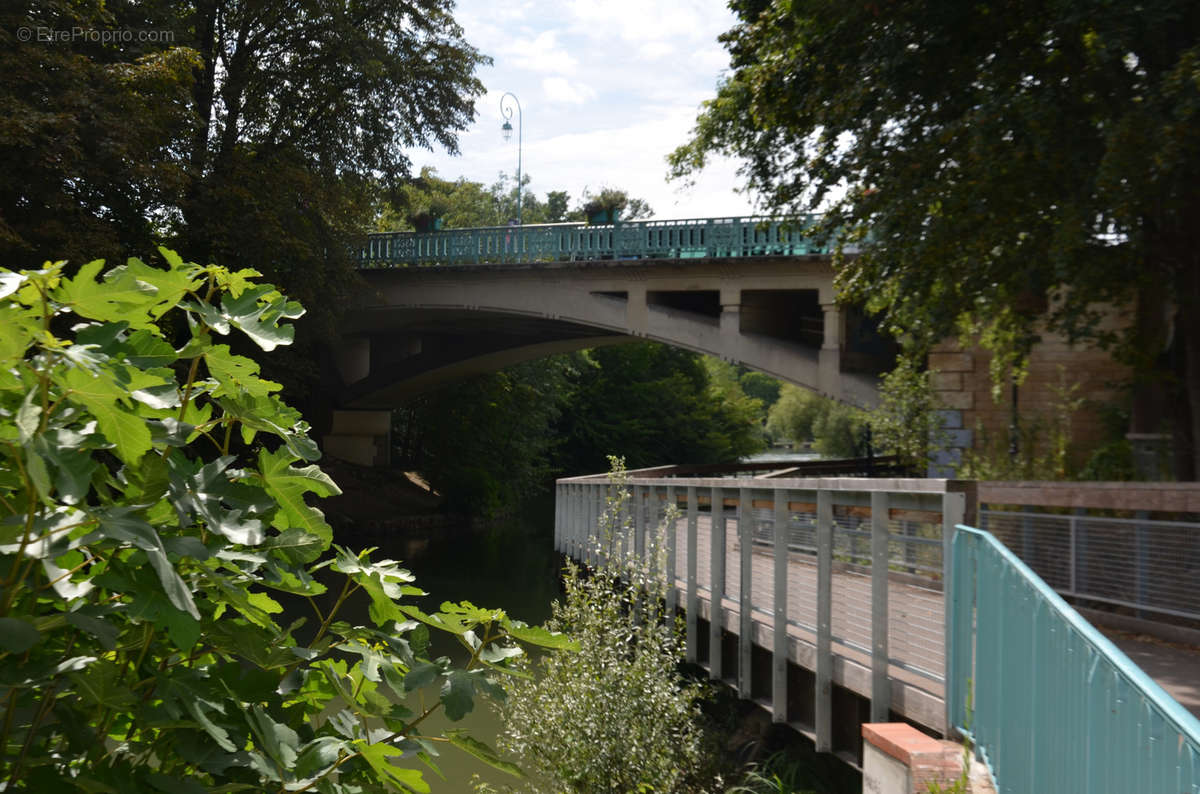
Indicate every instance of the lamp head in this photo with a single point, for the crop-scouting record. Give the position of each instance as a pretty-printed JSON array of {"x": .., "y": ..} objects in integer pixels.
[{"x": 506, "y": 131}]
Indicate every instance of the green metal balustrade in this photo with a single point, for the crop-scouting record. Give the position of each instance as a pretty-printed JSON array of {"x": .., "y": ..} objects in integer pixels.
[
  {"x": 1057, "y": 707},
  {"x": 571, "y": 242}
]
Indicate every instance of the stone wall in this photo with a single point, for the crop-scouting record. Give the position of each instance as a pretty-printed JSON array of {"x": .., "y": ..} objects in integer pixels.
[{"x": 974, "y": 418}]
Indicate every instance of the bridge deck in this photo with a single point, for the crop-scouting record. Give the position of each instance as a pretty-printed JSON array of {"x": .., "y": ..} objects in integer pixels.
[{"x": 858, "y": 603}]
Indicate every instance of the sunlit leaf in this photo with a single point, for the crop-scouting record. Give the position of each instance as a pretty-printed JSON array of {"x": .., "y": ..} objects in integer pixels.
[{"x": 483, "y": 752}]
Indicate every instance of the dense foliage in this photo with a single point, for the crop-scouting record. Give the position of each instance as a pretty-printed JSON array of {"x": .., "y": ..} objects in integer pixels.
[
  {"x": 653, "y": 404},
  {"x": 462, "y": 203},
  {"x": 235, "y": 131},
  {"x": 617, "y": 717},
  {"x": 1017, "y": 167},
  {"x": 153, "y": 527},
  {"x": 835, "y": 429},
  {"x": 489, "y": 442}
]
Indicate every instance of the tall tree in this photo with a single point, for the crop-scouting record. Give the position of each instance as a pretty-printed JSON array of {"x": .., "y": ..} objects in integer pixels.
[
  {"x": 652, "y": 404},
  {"x": 1006, "y": 168},
  {"x": 86, "y": 133},
  {"x": 304, "y": 110},
  {"x": 242, "y": 130}
]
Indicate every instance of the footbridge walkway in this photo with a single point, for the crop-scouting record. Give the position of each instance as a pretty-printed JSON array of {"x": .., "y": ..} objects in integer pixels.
[{"x": 838, "y": 601}]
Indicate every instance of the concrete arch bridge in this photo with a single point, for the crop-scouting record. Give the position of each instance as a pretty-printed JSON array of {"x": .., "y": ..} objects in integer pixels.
[{"x": 449, "y": 304}]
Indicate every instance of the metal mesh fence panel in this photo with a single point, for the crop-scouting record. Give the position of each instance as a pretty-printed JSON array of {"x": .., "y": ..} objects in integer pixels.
[
  {"x": 1150, "y": 566},
  {"x": 763, "y": 579},
  {"x": 851, "y": 581}
]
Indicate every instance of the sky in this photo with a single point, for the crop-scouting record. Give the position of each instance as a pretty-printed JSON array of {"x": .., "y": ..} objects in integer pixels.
[{"x": 607, "y": 89}]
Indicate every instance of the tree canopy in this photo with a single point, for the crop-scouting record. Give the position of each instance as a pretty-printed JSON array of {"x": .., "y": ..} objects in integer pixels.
[
  {"x": 238, "y": 131},
  {"x": 462, "y": 203},
  {"x": 1006, "y": 168},
  {"x": 655, "y": 405}
]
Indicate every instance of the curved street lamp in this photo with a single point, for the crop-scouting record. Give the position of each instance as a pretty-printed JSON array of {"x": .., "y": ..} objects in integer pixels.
[{"x": 506, "y": 131}]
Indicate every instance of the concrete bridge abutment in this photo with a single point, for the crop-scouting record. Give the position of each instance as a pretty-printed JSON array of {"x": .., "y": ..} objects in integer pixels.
[{"x": 361, "y": 437}]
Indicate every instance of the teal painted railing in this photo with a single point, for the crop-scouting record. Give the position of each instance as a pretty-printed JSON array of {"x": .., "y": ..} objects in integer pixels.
[
  {"x": 1057, "y": 707},
  {"x": 568, "y": 242}
]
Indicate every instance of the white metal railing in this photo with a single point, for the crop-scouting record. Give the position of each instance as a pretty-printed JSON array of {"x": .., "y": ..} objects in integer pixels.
[{"x": 815, "y": 569}]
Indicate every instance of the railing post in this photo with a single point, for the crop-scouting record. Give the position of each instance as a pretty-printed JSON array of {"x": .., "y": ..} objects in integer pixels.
[
  {"x": 745, "y": 519},
  {"x": 571, "y": 522},
  {"x": 1081, "y": 548},
  {"x": 1072, "y": 550},
  {"x": 779, "y": 649},
  {"x": 823, "y": 694},
  {"x": 693, "y": 597},
  {"x": 954, "y": 508},
  {"x": 599, "y": 503},
  {"x": 585, "y": 523},
  {"x": 716, "y": 591},
  {"x": 881, "y": 697},
  {"x": 559, "y": 505},
  {"x": 581, "y": 525},
  {"x": 1141, "y": 555},
  {"x": 960, "y": 639},
  {"x": 670, "y": 527},
  {"x": 640, "y": 519}
]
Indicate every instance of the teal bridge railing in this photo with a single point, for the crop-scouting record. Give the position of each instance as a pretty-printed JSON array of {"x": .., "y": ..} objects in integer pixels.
[
  {"x": 569, "y": 242},
  {"x": 1057, "y": 707}
]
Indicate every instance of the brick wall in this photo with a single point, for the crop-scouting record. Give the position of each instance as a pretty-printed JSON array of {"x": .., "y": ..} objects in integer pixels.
[{"x": 963, "y": 383}]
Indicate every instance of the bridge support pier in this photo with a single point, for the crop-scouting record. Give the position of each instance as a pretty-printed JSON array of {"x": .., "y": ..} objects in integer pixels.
[
  {"x": 829, "y": 360},
  {"x": 352, "y": 357},
  {"x": 362, "y": 437},
  {"x": 731, "y": 313}
]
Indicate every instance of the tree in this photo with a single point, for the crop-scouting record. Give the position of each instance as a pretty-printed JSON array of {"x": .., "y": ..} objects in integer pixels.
[
  {"x": 86, "y": 136},
  {"x": 611, "y": 199},
  {"x": 837, "y": 430},
  {"x": 303, "y": 116},
  {"x": 488, "y": 442},
  {"x": 254, "y": 131},
  {"x": 653, "y": 404},
  {"x": 462, "y": 203},
  {"x": 1006, "y": 169},
  {"x": 154, "y": 521}
]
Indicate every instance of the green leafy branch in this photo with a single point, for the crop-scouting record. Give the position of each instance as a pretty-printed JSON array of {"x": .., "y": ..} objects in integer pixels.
[{"x": 156, "y": 533}]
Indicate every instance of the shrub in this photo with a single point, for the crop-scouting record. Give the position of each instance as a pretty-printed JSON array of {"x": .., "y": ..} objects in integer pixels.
[{"x": 616, "y": 716}]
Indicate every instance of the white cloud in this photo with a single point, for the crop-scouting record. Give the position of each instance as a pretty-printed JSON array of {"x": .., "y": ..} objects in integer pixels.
[
  {"x": 608, "y": 89},
  {"x": 645, "y": 20},
  {"x": 541, "y": 53},
  {"x": 560, "y": 89}
]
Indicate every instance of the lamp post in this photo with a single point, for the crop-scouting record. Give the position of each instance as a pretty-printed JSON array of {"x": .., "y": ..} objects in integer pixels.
[{"x": 506, "y": 131}]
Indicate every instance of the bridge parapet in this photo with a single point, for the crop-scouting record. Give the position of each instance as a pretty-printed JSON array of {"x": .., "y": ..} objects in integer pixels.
[{"x": 569, "y": 242}]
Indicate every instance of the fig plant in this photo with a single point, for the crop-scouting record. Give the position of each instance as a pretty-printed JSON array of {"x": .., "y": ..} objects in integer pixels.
[{"x": 153, "y": 525}]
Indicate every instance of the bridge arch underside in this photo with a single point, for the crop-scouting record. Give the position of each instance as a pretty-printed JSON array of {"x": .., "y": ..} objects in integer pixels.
[{"x": 426, "y": 327}]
